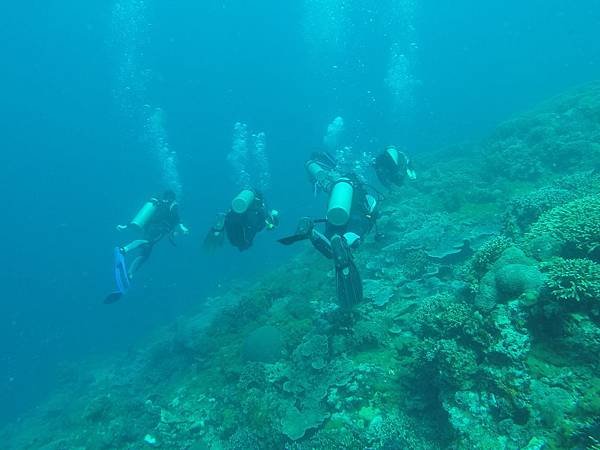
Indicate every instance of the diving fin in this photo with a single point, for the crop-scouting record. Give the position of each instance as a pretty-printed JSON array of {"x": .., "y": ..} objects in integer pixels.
[
  {"x": 289, "y": 240},
  {"x": 213, "y": 240},
  {"x": 121, "y": 278},
  {"x": 348, "y": 280},
  {"x": 349, "y": 286},
  {"x": 216, "y": 235},
  {"x": 121, "y": 273},
  {"x": 303, "y": 231},
  {"x": 113, "y": 297}
]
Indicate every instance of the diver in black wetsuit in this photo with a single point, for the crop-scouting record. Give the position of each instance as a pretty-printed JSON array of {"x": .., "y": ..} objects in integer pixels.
[
  {"x": 247, "y": 217},
  {"x": 392, "y": 167},
  {"x": 351, "y": 215},
  {"x": 159, "y": 218}
]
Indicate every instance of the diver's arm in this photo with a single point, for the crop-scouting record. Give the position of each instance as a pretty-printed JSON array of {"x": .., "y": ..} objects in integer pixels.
[
  {"x": 179, "y": 229},
  {"x": 219, "y": 225},
  {"x": 174, "y": 219},
  {"x": 410, "y": 171},
  {"x": 185, "y": 230}
]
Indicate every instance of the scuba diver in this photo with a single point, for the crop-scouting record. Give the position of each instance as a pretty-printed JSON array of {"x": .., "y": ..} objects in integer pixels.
[
  {"x": 392, "y": 167},
  {"x": 247, "y": 216},
  {"x": 158, "y": 218},
  {"x": 351, "y": 214}
]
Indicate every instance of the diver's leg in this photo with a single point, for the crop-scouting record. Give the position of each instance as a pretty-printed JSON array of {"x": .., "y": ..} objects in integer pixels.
[
  {"x": 133, "y": 245},
  {"x": 348, "y": 281},
  {"x": 352, "y": 239},
  {"x": 321, "y": 243},
  {"x": 146, "y": 250},
  {"x": 305, "y": 226},
  {"x": 304, "y": 231}
]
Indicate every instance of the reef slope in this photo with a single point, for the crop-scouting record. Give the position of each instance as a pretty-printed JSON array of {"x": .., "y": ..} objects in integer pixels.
[{"x": 480, "y": 328}]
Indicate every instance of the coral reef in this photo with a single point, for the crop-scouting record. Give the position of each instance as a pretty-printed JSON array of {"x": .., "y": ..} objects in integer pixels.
[
  {"x": 572, "y": 230},
  {"x": 512, "y": 276},
  {"x": 524, "y": 210},
  {"x": 480, "y": 326},
  {"x": 560, "y": 136},
  {"x": 573, "y": 280},
  {"x": 263, "y": 344},
  {"x": 488, "y": 253}
]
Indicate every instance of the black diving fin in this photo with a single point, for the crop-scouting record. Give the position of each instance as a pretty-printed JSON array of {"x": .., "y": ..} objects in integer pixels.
[
  {"x": 216, "y": 235},
  {"x": 348, "y": 280},
  {"x": 289, "y": 240},
  {"x": 303, "y": 231},
  {"x": 113, "y": 297},
  {"x": 349, "y": 286}
]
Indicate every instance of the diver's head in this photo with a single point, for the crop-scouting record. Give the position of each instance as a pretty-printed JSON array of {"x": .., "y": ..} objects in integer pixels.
[
  {"x": 273, "y": 219},
  {"x": 395, "y": 156},
  {"x": 169, "y": 196}
]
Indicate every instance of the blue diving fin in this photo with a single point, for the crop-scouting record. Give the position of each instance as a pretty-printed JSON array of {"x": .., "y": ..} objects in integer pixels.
[{"x": 121, "y": 278}]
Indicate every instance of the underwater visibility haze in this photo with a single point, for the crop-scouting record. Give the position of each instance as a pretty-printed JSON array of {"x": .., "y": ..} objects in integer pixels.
[{"x": 444, "y": 291}]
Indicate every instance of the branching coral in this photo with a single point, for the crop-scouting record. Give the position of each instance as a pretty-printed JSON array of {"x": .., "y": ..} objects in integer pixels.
[
  {"x": 488, "y": 253},
  {"x": 452, "y": 365},
  {"x": 522, "y": 211},
  {"x": 253, "y": 374},
  {"x": 573, "y": 279},
  {"x": 575, "y": 226},
  {"x": 441, "y": 317},
  {"x": 414, "y": 263},
  {"x": 564, "y": 134},
  {"x": 452, "y": 334},
  {"x": 580, "y": 183}
]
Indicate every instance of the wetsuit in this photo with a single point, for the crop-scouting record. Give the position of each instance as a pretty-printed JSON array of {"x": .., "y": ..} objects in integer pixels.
[
  {"x": 242, "y": 228},
  {"x": 362, "y": 216},
  {"x": 337, "y": 241},
  {"x": 163, "y": 222}
]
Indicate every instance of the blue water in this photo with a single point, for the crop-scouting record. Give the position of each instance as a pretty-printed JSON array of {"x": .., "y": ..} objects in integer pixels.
[{"x": 74, "y": 165}]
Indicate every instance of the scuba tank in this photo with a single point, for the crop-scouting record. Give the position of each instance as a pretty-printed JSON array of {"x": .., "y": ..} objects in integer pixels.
[
  {"x": 396, "y": 155},
  {"x": 315, "y": 171},
  {"x": 321, "y": 170},
  {"x": 144, "y": 215},
  {"x": 340, "y": 202},
  {"x": 243, "y": 201},
  {"x": 393, "y": 152}
]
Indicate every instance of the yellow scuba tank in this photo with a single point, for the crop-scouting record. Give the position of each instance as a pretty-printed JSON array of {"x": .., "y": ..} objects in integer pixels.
[
  {"x": 340, "y": 202},
  {"x": 242, "y": 202},
  {"x": 144, "y": 215}
]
